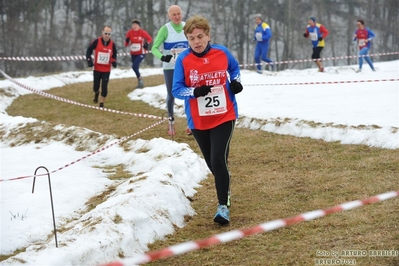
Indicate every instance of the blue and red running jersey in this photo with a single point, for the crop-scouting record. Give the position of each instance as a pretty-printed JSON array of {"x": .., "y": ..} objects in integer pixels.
[{"x": 216, "y": 68}]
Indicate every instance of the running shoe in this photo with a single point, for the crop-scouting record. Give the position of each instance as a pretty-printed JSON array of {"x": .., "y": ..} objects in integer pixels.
[
  {"x": 272, "y": 67},
  {"x": 171, "y": 126},
  {"x": 222, "y": 215},
  {"x": 140, "y": 84},
  {"x": 95, "y": 100}
]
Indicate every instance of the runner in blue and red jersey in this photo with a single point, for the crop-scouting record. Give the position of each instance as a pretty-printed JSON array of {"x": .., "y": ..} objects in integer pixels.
[
  {"x": 363, "y": 36},
  {"x": 207, "y": 77},
  {"x": 137, "y": 39}
]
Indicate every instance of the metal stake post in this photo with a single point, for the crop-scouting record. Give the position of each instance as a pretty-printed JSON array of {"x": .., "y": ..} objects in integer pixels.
[{"x": 51, "y": 199}]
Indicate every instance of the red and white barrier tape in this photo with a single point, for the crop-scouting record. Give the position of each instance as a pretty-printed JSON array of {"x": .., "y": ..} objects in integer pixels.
[
  {"x": 321, "y": 59},
  {"x": 237, "y": 234},
  {"x": 73, "y": 102},
  {"x": 323, "y": 82},
  {"x": 50, "y": 58},
  {"x": 110, "y": 145},
  {"x": 83, "y": 57},
  {"x": 90, "y": 154}
]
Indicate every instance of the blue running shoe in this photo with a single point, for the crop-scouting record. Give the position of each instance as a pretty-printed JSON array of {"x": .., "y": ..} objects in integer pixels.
[
  {"x": 222, "y": 215},
  {"x": 272, "y": 67}
]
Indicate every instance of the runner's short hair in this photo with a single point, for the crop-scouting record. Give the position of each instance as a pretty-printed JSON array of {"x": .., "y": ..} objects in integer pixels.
[{"x": 196, "y": 22}]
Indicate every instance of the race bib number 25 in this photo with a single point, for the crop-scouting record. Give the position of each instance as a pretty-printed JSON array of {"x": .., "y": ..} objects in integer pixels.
[{"x": 214, "y": 103}]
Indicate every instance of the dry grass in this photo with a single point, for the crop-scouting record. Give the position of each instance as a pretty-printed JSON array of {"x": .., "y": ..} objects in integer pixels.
[
  {"x": 273, "y": 177},
  {"x": 281, "y": 176}
]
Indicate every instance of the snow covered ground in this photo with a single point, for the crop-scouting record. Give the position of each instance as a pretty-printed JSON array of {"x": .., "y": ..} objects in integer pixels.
[{"x": 165, "y": 173}]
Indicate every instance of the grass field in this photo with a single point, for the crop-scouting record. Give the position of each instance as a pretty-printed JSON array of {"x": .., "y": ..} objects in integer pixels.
[{"x": 273, "y": 176}]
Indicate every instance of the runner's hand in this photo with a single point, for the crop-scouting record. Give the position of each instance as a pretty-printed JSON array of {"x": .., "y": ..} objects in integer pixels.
[
  {"x": 236, "y": 86},
  {"x": 89, "y": 62},
  {"x": 202, "y": 91},
  {"x": 166, "y": 58}
]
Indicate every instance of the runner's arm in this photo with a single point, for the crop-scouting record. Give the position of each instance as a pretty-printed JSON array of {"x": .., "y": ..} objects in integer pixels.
[{"x": 159, "y": 39}]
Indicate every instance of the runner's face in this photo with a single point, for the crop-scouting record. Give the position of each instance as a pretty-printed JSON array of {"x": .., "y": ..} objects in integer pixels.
[
  {"x": 107, "y": 33},
  {"x": 198, "y": 40},
  {"x": 359, "y": 25},
  {"x": 135, "y": 26},
  {"x": 175, "y": 15}
]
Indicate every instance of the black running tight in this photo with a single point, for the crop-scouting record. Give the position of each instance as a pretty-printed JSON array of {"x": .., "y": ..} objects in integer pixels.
[
  {"x": 102, "y": 77},
  {"x": 214, "y": 144}
]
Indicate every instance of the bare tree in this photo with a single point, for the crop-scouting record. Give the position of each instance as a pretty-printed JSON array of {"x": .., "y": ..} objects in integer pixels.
[{"x": 66, "y": 27}]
